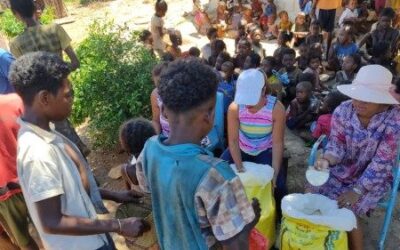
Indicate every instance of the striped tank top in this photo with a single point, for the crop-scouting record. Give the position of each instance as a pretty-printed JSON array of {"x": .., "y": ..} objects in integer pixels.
[{"x": 255, "y": 129}]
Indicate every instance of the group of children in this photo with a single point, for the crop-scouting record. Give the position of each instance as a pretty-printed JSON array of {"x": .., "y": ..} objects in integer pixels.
[{"x": 198, "y": 202}]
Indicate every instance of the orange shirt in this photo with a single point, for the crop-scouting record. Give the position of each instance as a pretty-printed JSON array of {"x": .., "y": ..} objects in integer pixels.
[{"x": 329, "y": 4}]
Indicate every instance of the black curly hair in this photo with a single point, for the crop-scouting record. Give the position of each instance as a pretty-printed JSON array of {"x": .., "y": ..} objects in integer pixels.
[
  {"x": 334, "y": 99},
  {"x": 37, "y": 71},
  {"x": 187, "y": 84},
  {"x": 134, "y": 133},
  {"x": 26, "y": 8}
]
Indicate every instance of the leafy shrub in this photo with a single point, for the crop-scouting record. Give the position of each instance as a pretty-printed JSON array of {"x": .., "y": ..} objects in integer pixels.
[
  {"x": 11, "y": 27},
  {"x": 113, "y": 83}
]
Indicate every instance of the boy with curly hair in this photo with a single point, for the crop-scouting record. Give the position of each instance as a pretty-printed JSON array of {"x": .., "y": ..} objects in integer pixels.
[
  {"x": 184, "y": 179},
  {"x": 53, "y": 180}
]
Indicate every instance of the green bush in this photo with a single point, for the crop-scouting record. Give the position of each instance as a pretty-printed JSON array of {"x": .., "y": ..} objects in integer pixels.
[
  {"x": 11, "y": 27},
  {"x": 113, "y": 83}
]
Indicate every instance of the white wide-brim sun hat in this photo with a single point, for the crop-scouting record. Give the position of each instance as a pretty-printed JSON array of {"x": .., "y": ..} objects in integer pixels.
[
  {"x": 371, "y": 84},
  {"x": 249, "y": 87}
]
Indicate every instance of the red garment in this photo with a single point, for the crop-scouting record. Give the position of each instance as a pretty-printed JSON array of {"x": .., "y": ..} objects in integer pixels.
[
  {"x": 11, "y": 107},
  {"x": 323, "y": 126}
]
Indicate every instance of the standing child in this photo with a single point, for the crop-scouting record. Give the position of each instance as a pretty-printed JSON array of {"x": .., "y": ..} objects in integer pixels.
[
  {"x": 268, "y": 65},
  {"x": 212, "y": 34},
  {"x": 284, "y": 23},
  {"x": 284, "y": 39},
  {"x": 182, "y": 176},
  {"x": 323, "y": 125},
  {"x": 48, "y": 171},
  {"x": 314, "y": 64},
  {"x": 303, "y": 109},
  {"x": 217, "y": 47},
  {"x": 221, "y": 58},
  {"x": 228, "y": 85},
  {"x": 344, "y": 46},
  {"x": 350, "y": 66},
  {"x": 50, "y": 38},
  {"x": 157, "y": 27},
  {"x": 252, "y": 61},
  {"x": 244, "y": 49},
  {"x": 160, "y": 123}
]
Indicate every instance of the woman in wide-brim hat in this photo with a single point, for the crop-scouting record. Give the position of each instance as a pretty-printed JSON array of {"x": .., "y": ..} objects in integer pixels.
[{"x": 362, "y": 145}]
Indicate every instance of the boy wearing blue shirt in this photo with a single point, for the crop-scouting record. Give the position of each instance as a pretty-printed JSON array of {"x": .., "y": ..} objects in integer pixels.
[{"x": 198, "y": 202}]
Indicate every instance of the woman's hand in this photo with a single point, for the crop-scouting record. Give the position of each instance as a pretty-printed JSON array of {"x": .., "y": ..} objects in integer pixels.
[
  {"x": 348, "y": 199},
  {"x": 321, "y": 164}
]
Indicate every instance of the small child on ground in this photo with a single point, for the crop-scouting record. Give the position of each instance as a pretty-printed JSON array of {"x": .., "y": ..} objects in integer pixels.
[
  {"x": 284, "y": 40},
  {"x": 270, "y": 9},
  {"x": 323, "y": 125},
  {"x": 176, "y": 40},
  {"x": 252, "y": 61},
  {"x": 302, "y": 59},
  {"x": 268, "y": 65},
  {"x": 182, "y": 176},
  {"x": 284, "y": 23},
  {"x": 256, "y": 37},
  {"x": 293, "y": 72},
  {"x": 344, "y": 46},
  {"x": 303, "y": 109},
  {"x": 147, "y": 39},
  {"x": 350, "y": 66},
  {"x": 314, "y": 64},
  {"x": 157, "y": 27},
  {"x": 244, "y": 50},
  {"x": 315, "y": 35},
  {"x": 300, "y": 29}
]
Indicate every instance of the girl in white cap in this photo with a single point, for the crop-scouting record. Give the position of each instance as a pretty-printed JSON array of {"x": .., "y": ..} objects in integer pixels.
[
  {"x": 362, "y": 145},
  {"x": 256, "y": 124}
]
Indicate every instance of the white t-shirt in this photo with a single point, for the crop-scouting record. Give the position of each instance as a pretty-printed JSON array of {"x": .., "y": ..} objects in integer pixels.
[
  {"x": 46, "y": 171},
  {"x": 156, "y": 23},
  {"x": 347, "y": 13}
]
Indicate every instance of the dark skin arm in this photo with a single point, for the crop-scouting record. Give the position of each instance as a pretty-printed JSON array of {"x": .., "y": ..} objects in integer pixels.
[
  {"x": 54, "y": 222},
  {"x": 73, "y": 58},
  {"x": 241, "y": 240}
]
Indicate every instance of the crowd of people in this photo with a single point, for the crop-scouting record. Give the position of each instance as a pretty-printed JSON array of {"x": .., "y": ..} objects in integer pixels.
[{"x": 319, "y": 81}]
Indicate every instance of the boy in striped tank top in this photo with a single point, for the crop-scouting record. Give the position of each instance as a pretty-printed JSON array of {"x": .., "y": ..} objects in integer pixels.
[{"x": 256, "y": 124}]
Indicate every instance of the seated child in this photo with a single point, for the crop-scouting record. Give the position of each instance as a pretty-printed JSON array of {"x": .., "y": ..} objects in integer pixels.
[
  {"x": 344, "y": 46},
  {"x": 350, "y": 13},
  {"x": 206, "y": 49},
  {"x": 314, "y": 64},
  {"x": 302, "y": 59},
  {"x": 268, "y": 65},
  {"x": 160, "y": 123},
  {"x": 315, "y": 35},
  {"x": 147, "y": 39},
  {"x": 182, "y": 176},
  {"x": 217, "y": 46},
  {"x": 244, "y": 49},
  {"x": 323, "y": 125},
  {"x": 300, "y": 29},
  {"x": 222, "y": 57},
  {"x": 305, "y": 6},
  {"x": 381, "y": 54},
  {"x": 269, "y": 27},
  {"x": 302, "y": 109},
  {"x": 228, "y": 85},
  {"x": 270, "y": 9},
  {"x": 384, "y": 32},
  {"x": 241, "y": 34},
  {"x": 256, "y": 36},
  {"x": 293, "y": 72},
  {"x": 176, "y": 40},
  {"x": 284, "y": 40},
  {"x": 350, "y": 67},
  {"x": 257, "y": 9},
  {"x": 252, "y": 61},
  {"x": 284, "y": 23}
]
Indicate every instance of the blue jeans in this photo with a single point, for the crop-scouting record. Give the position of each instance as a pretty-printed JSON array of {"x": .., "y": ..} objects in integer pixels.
[{"x": 265, "y": 157}]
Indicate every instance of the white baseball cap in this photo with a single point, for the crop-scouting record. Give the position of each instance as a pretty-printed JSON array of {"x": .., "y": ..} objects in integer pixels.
[
  {"x": 249, "y": 87},
  {"x": 371, "y": 84}
]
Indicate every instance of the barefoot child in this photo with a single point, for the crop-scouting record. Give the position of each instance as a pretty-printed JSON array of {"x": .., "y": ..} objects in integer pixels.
[
  {"x": 182, "y": 176},
  {"x": 157, "y": 27}
]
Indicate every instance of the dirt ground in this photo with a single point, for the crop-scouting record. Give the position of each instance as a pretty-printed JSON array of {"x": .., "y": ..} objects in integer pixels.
[{"x": 137, "y": 14}]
